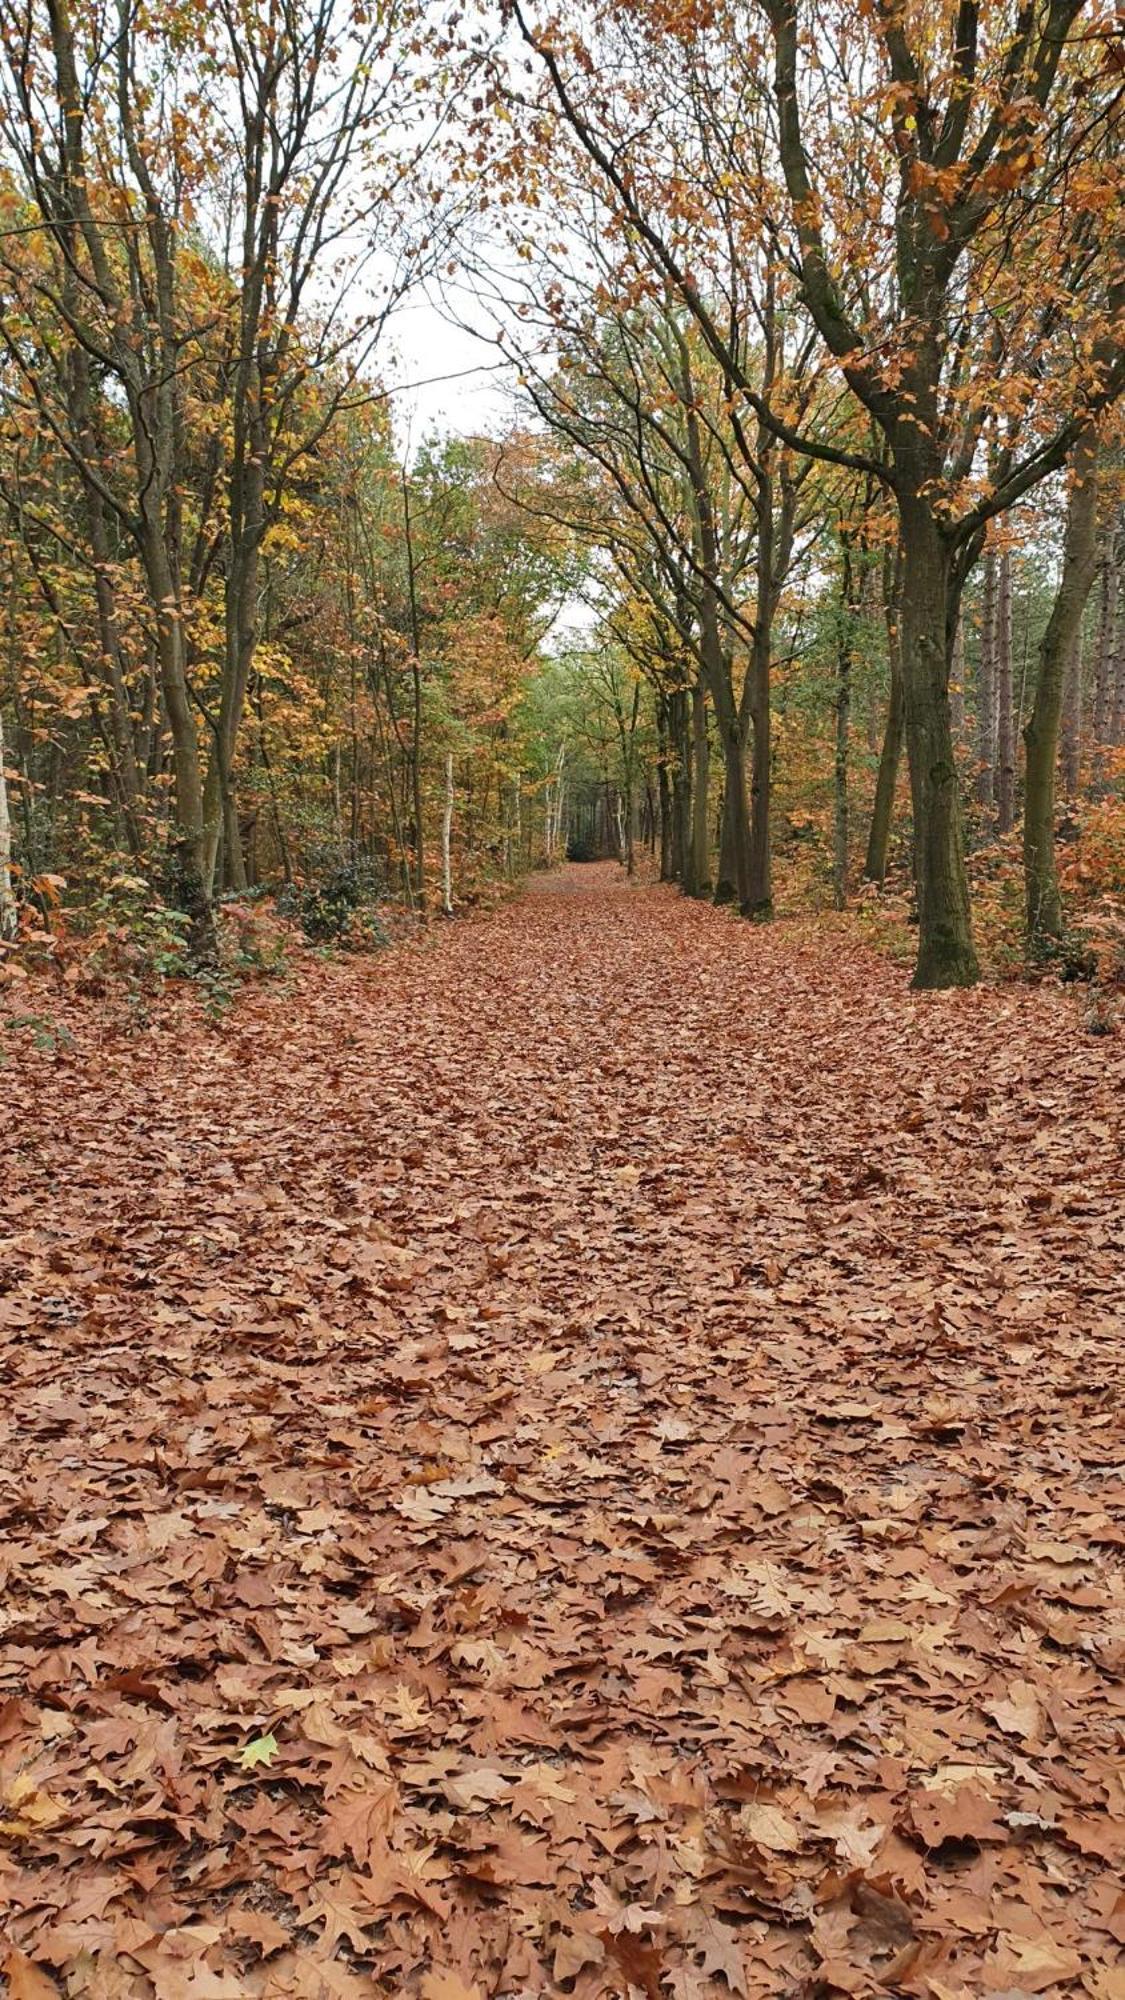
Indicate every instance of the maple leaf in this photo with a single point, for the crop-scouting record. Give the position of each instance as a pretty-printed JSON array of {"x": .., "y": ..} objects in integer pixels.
[{"x": 262, "y": 1750}]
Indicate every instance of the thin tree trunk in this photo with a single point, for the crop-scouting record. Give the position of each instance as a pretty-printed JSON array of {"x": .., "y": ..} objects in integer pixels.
[
  {"x": 957, "y": 683},
  {"x": 1116, "y": 662},
  {"x": 700, "y": 776},
  {"x": 664, "y": 790},
  {"x": 1071, "y": 746},
  {"x": 1043, "y": 901},
  {"x": 759, "y": 885},
  {"x": 986, "y": 686},
  {"x": 9, "y": 913},
  {"x": 840, "y": 759},
  {"x": 1107, "y": 627},
  {"x": 886, "y": 783},
  {"x": 446, "y": 839},
  {"x": 1005, "y": 731}
]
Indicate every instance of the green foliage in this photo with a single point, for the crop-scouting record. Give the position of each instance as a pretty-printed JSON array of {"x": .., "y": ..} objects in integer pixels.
[
  {"x": 46, "y": 1035},
  {"x": 133, "y": 933},
  {"x": 336, "y": 910}
]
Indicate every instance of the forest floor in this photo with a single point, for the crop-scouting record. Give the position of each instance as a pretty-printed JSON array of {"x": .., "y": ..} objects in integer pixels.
[{"x": 580, "y": 1455}]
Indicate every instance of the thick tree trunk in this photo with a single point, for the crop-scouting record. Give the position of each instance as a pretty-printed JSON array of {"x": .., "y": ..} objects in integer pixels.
[
  {"x": 1044, "y": 913},
  {"x": 1005, "y": 718},
  {"x": 192, "y": 887},
  {"x": 726, "y": 881},
  {"x": 945, "y": 945}
]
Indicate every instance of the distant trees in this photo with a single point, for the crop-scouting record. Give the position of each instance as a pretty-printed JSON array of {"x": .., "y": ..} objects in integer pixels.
[{"x": 944, "y": 192}]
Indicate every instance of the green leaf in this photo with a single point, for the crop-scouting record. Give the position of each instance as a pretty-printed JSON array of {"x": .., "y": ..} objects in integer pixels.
[{"x": 262, "y": 1750}]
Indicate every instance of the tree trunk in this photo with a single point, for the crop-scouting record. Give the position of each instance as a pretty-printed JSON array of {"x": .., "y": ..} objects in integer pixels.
[
  {"x": 664, "y": 790},
  {"x": 9, "y": 914},
  {"x": 840, "y": 759},
  {"x": 986, "y": 686},
  {"x": 945, "y": 945},
  {"x": 1104, "y": 644},
  {"x": 700, "y": 883},
  {"x": 886, "y": 783},
  {"x": 957, "y": 683},
  {"x": 726, "y": 881},
  {"x": 446, "y": 840},
  {"x": 1071, "y": 747},
  {"x": 680, "y": 734},
  {"x": 1115, "y": 665},
  {"x": 1005, "y": 730},
  {"x": 1044, "y": 914},
  {"x": 758, "y": 901}
]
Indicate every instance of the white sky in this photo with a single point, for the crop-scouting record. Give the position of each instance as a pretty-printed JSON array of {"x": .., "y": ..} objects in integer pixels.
[{"x": 423, "y": 346}]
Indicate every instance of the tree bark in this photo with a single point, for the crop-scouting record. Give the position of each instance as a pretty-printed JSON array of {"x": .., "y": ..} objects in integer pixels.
[
  {"x": 886, "y": 782},
  {"x": 945, "y": 945},
  {"x": 1072, "y": 721},
  {"x": 840, "y": 758},
  {"x": 1044, "y": 915},
  {"x": 1107, "y": 622},
  {"x": 700, "y": 880},
  {"x": 9, "y": 913},
  {"x": 986, "y": 686},
  {"x": 1005, "y": 727},
  {"x": 446, "y": 840}
]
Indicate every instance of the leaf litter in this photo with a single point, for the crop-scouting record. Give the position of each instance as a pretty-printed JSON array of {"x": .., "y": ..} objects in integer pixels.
[{"x": 580, "y": 1456}]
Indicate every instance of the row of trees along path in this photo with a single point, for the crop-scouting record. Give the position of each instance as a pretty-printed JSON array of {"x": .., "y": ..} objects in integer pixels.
[{"x": 578, "y": 1456}]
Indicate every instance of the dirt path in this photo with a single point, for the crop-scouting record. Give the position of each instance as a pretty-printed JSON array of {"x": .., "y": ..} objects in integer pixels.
[{"x": 580, "y": 1456}]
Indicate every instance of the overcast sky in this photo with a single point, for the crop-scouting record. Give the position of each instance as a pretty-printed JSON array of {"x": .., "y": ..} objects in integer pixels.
[{"x": 425, "y": 347}]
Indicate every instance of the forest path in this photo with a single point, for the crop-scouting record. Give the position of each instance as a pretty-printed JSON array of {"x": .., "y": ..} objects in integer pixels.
[{"x": 579, "y": 1455}]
